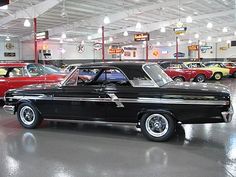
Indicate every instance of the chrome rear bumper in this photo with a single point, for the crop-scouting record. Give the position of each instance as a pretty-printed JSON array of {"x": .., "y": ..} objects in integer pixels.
[
  {"x": 228, "y": 115},
  {"x": 9, "y": 109}
]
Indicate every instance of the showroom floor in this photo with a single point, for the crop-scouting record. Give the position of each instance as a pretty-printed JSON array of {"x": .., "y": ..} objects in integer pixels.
[{"x": 82, "y": 150}]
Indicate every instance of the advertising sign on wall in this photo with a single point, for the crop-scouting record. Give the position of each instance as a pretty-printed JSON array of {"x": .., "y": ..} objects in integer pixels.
[
  {"x": 116, "y": 51},
  {"x": 42, "y": 35},
  {"x": 193, "y": 47},
  {"x": 179, "y": 54}
]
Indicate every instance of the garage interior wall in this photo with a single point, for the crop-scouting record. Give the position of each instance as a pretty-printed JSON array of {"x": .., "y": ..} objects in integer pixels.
[{"x": 14, "y": 49}]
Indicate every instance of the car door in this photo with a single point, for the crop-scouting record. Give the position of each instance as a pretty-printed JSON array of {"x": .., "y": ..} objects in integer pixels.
[{"x": 80, "y": 100}]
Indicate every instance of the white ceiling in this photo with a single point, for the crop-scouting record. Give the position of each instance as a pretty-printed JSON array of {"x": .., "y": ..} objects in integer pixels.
[{"x": 84, "y": 17}]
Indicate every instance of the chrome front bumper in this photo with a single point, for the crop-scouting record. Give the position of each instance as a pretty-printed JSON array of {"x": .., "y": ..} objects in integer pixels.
[
  {"x": 9, "y": 109},
  {"x": 228, "y": 115}
]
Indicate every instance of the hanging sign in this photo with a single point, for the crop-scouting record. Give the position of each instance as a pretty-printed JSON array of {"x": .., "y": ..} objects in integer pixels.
[
  {"x": 193, "y": 47},
  {"x": 9, "y": 54},
  {"x": 141, "y": 37},
  {"x": 116, "y": 51},
  {"x": 180, "y": 30},
  {"x": 97, "y": 46},
  {"x": 205, "y": 48},
  {"x": 80, "y": 48},
  {"x": 42, "y": 35}
]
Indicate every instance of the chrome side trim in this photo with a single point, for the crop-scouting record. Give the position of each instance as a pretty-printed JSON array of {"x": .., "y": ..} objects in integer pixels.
[
  {"x": 9, "y": 109},
  {"x": 91, "y": 122},
  {"x": 127, "y": 100}
]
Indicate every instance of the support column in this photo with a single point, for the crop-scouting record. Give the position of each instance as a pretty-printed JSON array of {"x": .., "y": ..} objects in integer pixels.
[
  {"x": 103, "y": 44},
  {"x": 177, "y": 49},
  {"x": 198, "y": 53},
  {"x": 35, "y": 42},
  {"x": 146, "y": 51}
]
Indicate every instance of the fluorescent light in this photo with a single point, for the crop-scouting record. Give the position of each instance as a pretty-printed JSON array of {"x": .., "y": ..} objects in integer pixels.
[
  {"x": 163, "y": 30},
  {"x": 89, "y": 37},
  {"x": 126, "y": 33},
  {"x": 63, "y": 35},
  {"x": 189, "y": 19},
  {"x": 190, "y": 42},
  {"x": 7, "y": 38},
  {"x": 196, "y": 36},
  {"x": 110, "y": 39},
  {"x": 106, "y": 20},
  {"x": 225, "y": 30},
  {"x": 27, "y": 23},
  {"x": 4, "y": 7},
  {"x": 209, "y": 25},
  {"x": 158, "y": 43},
  {"x": 219, "y": 39},
  {"x": 209, "y": 38},
  {"x": 99, "y": 30},
  {"x": 138, "y": 26}
]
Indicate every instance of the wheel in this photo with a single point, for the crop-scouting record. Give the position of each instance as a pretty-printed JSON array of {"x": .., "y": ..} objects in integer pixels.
[
  {"x": 234, "y": 74},
  {"x": 28, "y": 116},
  {"x": 200, "y": 78},
  {"x": 179, "y": 79},
  {"x": 157, "y": 127},
  {"x": 217, "y": 76}
]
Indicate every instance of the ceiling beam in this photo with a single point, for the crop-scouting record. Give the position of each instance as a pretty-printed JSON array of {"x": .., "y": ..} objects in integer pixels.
[{"x": 31, "y": 12}]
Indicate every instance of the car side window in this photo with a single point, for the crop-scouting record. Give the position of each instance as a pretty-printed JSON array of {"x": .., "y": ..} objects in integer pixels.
[
  {"x": 112, "y": 76},
  {"x": 3, "y": 72},
  {"x": 16, "y": 72}
]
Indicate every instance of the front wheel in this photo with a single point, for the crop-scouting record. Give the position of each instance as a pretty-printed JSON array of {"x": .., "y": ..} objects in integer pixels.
[
  {"x": 179, "y": 79},
  {"x": 28, "y": 116},
  {"x": 218, "y": 76},
  {"x": 157, "y": 127}
]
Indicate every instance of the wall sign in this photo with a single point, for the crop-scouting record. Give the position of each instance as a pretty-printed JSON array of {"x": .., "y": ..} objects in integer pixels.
[
  {"x": 42, "y": 35},
  {"x": 9, "y": 54},
  {"x": 97, "y": 46},
  {"x": 179, "y": 54},
  {"x": 130, "y": 48},
  {"x": 80, "y": 48},
  {"x": 193, "y": 47},
  {"x": 156, "y": 53},
  {"x": 9, "y": 46},
  {"x": 113, "y": 51},
  {"x": 141, "y": 37},
  {"x": 164, "y": 52},
  {"x": 205, "y": 48}
]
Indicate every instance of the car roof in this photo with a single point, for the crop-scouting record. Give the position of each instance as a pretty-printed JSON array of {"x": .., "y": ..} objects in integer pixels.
[{"x": 112, "y": 64}]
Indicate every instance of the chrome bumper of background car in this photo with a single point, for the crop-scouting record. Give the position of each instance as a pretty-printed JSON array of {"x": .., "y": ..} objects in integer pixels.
[
  {"x": 9, "y": 109},
  {"x": 228, "y": 115}
]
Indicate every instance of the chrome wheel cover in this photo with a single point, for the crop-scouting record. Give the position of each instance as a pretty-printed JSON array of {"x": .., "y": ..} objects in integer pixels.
[
  {"x": 27, "y": 115},
  {"x": 157, "y": 125},
  {"x": 178, "y": 79},
  {"x": 200, "y": 78},
  {"x": 218, "y": 76}
]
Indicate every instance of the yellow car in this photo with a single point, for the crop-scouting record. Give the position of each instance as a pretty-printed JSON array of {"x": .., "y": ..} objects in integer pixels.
[
  {"x": 2, "y": 72},
  {"x": 218, "y": 72}
]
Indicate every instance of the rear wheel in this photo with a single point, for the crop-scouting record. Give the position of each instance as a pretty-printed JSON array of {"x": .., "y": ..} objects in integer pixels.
[
  {"x": 28, "y": 116},
  {"x": 179, "y": 79},
  {"x": 157, "y": 126},
  {"x": 200, "y": 78},
  {"x": 218, "y": 76}
]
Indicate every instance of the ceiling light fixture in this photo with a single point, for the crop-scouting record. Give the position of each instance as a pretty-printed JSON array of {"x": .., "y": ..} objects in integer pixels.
[
  {"x": 200, "y": 43},
  {"x": 209, "y": 25},
  {"x": 219, "y": 39},
  {"x": 209, "y": 38},
  {"x": 138, "y": 26},
  {"x": 27, "y": 23},
  {"x": 163, "y": 30},
  {"x": 196, "y": 36},
  {"x": 228, "y": 41},
  {"x": 169, "y": 44},
  {"x": 190, "y": 42},
  {"x": 158, "y": 43},
  {"x": 126, "y": 33},
  {"x": 106, "y": 20},
  {"x": 89, "y": 37},
  {"x": 189, "y": 19},
  {"x": 225, "y": 30},
  {"x": 63, "y": 35},
  {"x": 110, "y": 39}
]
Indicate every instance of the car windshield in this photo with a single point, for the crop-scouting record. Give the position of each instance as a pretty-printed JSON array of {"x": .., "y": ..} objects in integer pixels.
[
  {"x": 157, "y": 74},
  {"x": 38, "y": 70}
]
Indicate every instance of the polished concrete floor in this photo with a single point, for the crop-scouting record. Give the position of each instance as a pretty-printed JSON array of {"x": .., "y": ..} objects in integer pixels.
[{"x": 82, "y": 150}]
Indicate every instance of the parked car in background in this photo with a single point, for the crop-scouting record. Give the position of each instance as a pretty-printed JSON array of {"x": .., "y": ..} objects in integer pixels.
[
  {"x": 54, "y": 69},
  {"x": 191, "y": 74},
  {"x": 15, "y": 75},
  {"x": 70, "y": 67},
  {"x": 218, "y": 73},
  {"x": 230, "y": 66},
  {"x": 143, "y": 95}
]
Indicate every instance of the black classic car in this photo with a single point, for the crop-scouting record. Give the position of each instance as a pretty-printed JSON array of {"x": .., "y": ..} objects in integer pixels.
[{"x": 123, "y": 93}]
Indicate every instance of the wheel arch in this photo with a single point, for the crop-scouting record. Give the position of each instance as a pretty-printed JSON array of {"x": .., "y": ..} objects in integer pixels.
[
  {"x": 184, "y": 79},
  {"x": 25, "y": 101}
]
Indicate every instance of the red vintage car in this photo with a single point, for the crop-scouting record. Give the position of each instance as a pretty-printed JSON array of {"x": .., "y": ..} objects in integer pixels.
[
  {"x": 15, "y": 75},
  {"x": 188, "y": 74}
]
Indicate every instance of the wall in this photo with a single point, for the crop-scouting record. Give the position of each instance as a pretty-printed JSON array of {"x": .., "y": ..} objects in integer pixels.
[{"x": 15, "y": 49}]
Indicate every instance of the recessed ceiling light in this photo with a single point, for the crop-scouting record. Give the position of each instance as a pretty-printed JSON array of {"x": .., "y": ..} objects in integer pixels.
[
  {"x": 27, "y": 23},
  {"x": 138, "y": 26},
  {"x": 225, "y": 30},
  {"x": 163, "y": 30},
  {"x": 126, "y": 33},
  {"x": 196, "y": 36},
  {"x": 209, "y": 38},
  {"x": 209, "y": 25},
  {"x": 106, "y": 20},
  {"x": 189, "y": 19},
  {"x": 219, "y": 39}
]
